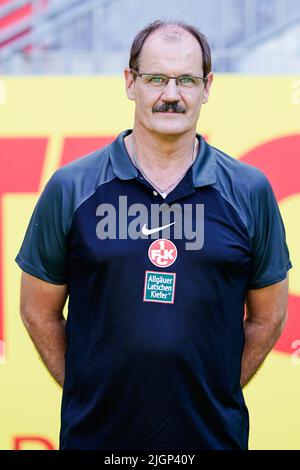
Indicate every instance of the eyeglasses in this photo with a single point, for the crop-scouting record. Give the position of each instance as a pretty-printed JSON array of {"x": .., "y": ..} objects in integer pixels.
[{"x": 160, "y": 81}]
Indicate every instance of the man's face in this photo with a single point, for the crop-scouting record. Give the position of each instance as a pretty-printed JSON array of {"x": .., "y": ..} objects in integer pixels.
[{"x": 172, "y": 58}]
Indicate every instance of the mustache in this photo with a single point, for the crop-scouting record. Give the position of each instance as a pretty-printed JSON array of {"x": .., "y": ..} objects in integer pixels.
[{"x": 164, "y": 108}]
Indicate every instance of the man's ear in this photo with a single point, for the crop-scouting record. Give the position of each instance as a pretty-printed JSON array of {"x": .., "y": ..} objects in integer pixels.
[
  {"x": 129, "y": 83},
  {"x": 208, "y": 83}
]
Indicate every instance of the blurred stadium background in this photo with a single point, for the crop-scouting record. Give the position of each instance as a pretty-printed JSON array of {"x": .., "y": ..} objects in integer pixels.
[
  {"x": 93, "y": 36},
  {"x": 62, "y": 95}
]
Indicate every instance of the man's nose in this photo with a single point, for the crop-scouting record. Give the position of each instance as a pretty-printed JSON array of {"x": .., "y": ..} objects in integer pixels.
[{"x": 171, "y": 92}]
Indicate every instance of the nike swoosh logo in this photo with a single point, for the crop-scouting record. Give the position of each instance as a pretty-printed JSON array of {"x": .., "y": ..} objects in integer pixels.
[{"x": 146, "y": 231}]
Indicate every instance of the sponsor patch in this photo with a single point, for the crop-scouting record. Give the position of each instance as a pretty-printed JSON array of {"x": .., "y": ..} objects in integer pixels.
[{"x": 159, "y": 287}]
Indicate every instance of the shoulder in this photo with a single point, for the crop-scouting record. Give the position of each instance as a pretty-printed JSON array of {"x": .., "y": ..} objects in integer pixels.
[
  {"x": 244, "y": 186},
  {"x": 73, "y": 183},
  {"x": 243, "y": 176},
  {"x": 92, "y": 168}
]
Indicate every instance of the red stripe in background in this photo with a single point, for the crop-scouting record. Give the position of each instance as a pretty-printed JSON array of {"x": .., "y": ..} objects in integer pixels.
[
  {"x": 16, "y": 16},
  {"x": 21, "y": 164},
  {"x": 4, "y": 2},
  {"x": 279, "y": 160}
]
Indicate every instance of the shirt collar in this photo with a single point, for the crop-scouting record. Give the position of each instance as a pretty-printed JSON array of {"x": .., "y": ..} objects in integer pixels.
[{"x": 204, "y": 167}]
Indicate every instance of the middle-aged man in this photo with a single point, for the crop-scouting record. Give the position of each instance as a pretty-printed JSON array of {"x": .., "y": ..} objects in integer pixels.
[{"x": 159, "y": 239}]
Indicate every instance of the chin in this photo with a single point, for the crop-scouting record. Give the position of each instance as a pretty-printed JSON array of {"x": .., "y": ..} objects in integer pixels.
[{"x": 169, "y": 128}]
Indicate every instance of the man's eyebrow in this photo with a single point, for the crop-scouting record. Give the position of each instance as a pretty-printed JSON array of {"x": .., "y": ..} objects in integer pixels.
[
  {"x": 179, "y": 75},
  {"x": 192, "y": 74}
]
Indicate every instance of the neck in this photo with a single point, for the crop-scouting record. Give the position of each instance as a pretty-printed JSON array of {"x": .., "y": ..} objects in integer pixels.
[
  {"x": 162, "y": 152},
  {"x": 165, "y": 167}
]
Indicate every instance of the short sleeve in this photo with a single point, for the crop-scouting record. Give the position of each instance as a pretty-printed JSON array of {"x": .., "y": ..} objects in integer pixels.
[
  {"x": 43, "y": 252},
  {"x": 270, "y": 254}
]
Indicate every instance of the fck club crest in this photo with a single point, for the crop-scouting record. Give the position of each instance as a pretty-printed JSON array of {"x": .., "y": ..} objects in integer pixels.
[{"x": 162, "y": 253}]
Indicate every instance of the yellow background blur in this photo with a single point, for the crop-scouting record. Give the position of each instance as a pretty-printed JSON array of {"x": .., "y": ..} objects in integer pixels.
[{"x": 242, "y": 113}]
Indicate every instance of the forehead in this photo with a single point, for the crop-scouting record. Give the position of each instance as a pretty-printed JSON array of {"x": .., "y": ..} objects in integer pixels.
[{"x": 171, "y": 51}]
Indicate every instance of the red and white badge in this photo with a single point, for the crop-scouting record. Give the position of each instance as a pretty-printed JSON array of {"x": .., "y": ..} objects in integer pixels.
[{"x": 162, "y": 253}]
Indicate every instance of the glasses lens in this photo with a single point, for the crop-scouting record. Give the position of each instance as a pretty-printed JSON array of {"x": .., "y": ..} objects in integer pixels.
[
  {"x": 155, "y": 80},
  {"x": 188, "y": 82}
]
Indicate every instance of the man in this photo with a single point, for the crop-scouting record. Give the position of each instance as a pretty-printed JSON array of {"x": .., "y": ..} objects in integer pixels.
[{"x": 159, "y": 239}]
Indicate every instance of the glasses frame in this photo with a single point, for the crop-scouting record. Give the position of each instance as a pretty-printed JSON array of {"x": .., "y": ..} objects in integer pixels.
[{"x": 163, "y": 75}]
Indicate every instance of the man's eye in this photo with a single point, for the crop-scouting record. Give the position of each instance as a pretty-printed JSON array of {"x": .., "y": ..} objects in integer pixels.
[
  {"x": 186, "y": 80},
  {"x": 157, "y": 79}
]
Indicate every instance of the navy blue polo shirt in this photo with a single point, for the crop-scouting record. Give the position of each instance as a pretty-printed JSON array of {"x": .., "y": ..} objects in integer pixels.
[{"x": 156, "y": 296}]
